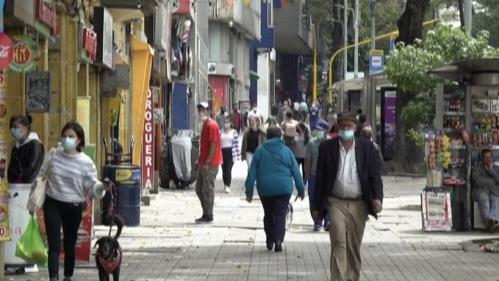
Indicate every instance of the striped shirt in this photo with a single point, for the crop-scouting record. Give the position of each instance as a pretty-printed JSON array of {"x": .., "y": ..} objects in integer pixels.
[{"x": 71, "y": 178}]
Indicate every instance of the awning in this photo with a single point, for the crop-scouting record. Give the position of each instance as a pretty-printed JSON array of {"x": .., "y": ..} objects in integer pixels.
[
  {"x": 142, "y": 55},
  {"x": 461, "y": 71}
]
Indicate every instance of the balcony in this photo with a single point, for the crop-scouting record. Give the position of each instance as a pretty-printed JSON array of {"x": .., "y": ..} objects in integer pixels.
[
  {"x": 242, "y": 15},
  {"x": 292, "y": 36}
]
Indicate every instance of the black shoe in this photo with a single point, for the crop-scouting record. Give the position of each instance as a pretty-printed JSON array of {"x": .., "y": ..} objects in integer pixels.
[
  {"x": 317, "y": 227},
  {"x": 270, "y": 246},
  {"x": 204, "y": 219},
  {"x": 327, "y": 227},
  {"x": 278, "y": 246}
]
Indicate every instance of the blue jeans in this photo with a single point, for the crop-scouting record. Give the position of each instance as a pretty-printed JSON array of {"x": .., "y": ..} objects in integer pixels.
[
  {"x": 323, "y": 215},
  {"x": 488, "y": 204}
]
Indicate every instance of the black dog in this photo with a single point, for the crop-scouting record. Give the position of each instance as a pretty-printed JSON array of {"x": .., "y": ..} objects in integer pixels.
[{"x": 108, "y": 256}]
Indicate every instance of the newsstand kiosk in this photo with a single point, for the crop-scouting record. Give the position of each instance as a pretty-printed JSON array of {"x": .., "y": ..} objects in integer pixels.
[{"x": 467, "y": 122}]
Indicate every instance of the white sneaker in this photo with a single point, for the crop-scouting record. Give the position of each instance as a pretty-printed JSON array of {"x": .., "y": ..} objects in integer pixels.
[{"x": 227, "y": 189}]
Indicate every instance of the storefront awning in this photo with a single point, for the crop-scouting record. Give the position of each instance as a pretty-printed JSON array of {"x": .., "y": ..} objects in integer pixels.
[
  {"x": 461, "y": 71},
  {"x": 142, "y": 55}
]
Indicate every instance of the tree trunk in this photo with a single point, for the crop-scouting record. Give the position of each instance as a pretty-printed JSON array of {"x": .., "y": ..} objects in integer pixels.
[
  {"x": 410, "y": 27},
  {"x": 460, "y": 4}
]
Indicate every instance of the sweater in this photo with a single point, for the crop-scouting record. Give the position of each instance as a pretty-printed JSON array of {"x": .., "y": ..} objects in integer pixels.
[
  {"x": 274, "y": 168},
  {"x": 71, "y": 178},
  {"x": 25, "y": 160},
  {"x": 487, "y": 179}
]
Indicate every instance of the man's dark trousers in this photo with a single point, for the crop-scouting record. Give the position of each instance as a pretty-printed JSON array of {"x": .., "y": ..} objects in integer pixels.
[{"x": 274, "y": 221}]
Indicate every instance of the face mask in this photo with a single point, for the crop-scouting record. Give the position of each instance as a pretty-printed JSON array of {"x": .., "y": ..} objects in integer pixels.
[
  {"x": 254, "y": 129},
  {"x": 69, "y": 144},
  {"x": 319, "y": 134},
  {"x": 16, "y": 133},
  {"x": 227, "y": 125},
  {"x": 346, "y": 134}
]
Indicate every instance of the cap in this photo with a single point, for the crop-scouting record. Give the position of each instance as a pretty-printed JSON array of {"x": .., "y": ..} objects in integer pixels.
[
  {"x": 203, "y": 105},
  {"x": 321, "y": 125},
  {"x": 347, "y": 116}
]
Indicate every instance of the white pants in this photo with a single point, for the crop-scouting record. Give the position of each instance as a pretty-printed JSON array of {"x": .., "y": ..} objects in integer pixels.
[{"x": 249, "y": 158}]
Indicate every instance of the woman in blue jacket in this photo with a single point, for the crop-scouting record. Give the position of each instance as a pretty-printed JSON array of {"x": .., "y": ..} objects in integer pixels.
[{"x": 273, "y": 168}]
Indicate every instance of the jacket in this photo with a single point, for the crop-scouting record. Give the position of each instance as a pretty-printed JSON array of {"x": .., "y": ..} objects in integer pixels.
[
  {"x": 25, "y": 160},
  {"x": 244, "y": 145},
  {"x": 273, "y": 168},
  {"x": 487, "y": 179},
  {"x": 367, "y": 159}
]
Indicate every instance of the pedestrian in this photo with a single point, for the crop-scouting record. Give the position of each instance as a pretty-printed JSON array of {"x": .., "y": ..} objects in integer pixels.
[
  {"x": 301, "y": 141},
  {"x": 362, "y": 122},
  {"x": 314, "y": 115},
  {"x": 253, "y": 137},
  {"x": 210, "y": 158},
  {"x": 271, "y": 121},
  {"x": 349, "y": 182},
  {"x": 255, "y": 114},
  {"x": 221, "y": 117},
  {"x": 281, "y": 114},
  {"x": 26, "y": 156},
  {"x": 72, "y": 177},
  {"x": 367, "y": 133},
  {"x": 303, "y": 111},
  {"x": 311, "y": 155},
  {"x": 289, "y": 129},
  {"x": 274, "y": 168},
  {"x": 230, "y": 153},
  {"x": 236, "y": 117}
]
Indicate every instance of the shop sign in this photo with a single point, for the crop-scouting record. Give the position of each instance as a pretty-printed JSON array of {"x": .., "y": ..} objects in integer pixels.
[
  {"x": 23, "y": 55},
  {"x": 103, "y": 25},
  {"x": 148, "y": 145},
  {"x": 46, "y": 17},
  {"x": 376, "y": 61},
  {"x": 38, "y": 91},
  {"x": 89, "y": 44},
  {"x": 6, "y": 48},
  {"x": 2, "y": 4}
]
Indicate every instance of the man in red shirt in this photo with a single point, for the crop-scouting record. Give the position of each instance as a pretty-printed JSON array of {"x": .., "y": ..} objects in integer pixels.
[{"x": 210, "y": 158}]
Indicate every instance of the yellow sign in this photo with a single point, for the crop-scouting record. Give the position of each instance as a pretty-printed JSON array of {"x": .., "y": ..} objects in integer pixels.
[
  {"x": 123, "y": 175},
  {"x": 83, "y": 115}
]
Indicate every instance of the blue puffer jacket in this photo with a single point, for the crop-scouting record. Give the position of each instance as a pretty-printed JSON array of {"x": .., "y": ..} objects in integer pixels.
[{"x": 273, "y": 168}]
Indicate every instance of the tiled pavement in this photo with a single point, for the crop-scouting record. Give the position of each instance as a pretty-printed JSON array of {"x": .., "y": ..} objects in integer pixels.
[{"x": 169, "y": 246}]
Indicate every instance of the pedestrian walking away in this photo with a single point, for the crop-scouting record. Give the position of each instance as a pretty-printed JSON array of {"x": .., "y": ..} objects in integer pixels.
[
  {"x": 349, "y": 183},
  {"x": 289, "y": 129},
  {"x": 72, "y": 176},
  {"x": 301, "y": 140},
  {"x": 230, "y": 153},
  {"x": 253, "y": 137},
  {"x": 236, "y": 117},
  {"x": 319, "y": 132},
  {"x": 210, "y": 158},
  {"x": 274, "y": 168}
]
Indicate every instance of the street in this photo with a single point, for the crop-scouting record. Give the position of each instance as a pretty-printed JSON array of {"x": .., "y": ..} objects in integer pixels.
[{"x": 169, "y": 246}]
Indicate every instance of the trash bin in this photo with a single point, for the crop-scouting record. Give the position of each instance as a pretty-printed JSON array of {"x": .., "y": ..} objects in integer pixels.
[{"x": 128, "y": 182}]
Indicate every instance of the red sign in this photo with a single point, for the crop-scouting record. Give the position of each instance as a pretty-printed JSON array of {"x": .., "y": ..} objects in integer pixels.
[
  {"x": 22, "y": 53},
  {"x": 6, "y": 49},
  {"x": 46, "y": 14},
  {"x": 148, "y": 145},
  {"x": 90, "y": 43}
]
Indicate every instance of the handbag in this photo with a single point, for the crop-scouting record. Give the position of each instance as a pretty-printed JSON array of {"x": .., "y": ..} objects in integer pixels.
[{"x": 39, "y": 188}]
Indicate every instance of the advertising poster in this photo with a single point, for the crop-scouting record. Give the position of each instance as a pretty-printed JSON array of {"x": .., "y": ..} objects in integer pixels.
[
  {"x": 388, "y": 122},
  {"x": 436, "y": 211},
  {"x": 4, "y": 198}
]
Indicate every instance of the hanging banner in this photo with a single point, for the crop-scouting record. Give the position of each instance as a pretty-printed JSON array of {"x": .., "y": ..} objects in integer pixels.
[
  {"x": 6, "y": 49},
  {"x": 23, "y": 56},
  {"x": 148, "y": 146}
]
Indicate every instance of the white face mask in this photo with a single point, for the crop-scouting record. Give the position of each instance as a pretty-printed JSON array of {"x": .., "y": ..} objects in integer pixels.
[{"x": 69, "y": 144}]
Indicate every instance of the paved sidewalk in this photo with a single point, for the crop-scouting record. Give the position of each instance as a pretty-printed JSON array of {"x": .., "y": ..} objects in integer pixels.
[{"x": 169, "y": 246}]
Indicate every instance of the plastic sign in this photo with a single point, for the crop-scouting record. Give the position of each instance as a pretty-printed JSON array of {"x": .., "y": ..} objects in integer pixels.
[
  {"x": 6, "y": 48},
  {"x": 23, "y": 55},
  {"x": 148, "y": 145},
  {"x": 89, "y": 44},
  {"x": 46, "y": 17},
  {"x": 376, "y": 61}
]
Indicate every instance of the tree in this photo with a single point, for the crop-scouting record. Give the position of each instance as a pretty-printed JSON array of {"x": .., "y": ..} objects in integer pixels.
[{"x": 486, "y": 17}]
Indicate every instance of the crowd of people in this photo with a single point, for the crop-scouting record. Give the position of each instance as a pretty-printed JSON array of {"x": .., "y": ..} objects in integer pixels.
[{"x": 294, "y": 149}]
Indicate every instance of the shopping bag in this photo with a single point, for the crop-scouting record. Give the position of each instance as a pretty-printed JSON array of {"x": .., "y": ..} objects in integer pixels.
[
  {"x": 37, "y": 195},
  {"x": 31, "y": 245}
]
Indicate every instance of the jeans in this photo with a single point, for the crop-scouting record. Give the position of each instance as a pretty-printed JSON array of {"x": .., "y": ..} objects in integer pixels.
[
  {"x": 205, "y": 190},
  {"x": 323, "y": 214},
  {"x": 249, "y": 158},
  {"x": 488, "y": 204},
  {"x": 227, "y": 166},
  {"x": 67, "y": 215},
  {"x": 275, "y": 209}
]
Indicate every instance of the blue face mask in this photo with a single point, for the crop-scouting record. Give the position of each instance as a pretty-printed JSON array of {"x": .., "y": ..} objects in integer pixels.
[
  {"x": 16, "y": 133},
  {"x": 69, "y": 144},
  {"x": 346, "y": 134}
]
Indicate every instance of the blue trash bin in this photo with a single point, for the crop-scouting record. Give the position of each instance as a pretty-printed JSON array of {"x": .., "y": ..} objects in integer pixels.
[{"x": 128, "y": 182}]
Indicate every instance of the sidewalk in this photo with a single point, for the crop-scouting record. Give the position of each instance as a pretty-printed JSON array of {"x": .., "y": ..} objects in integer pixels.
[{"x": 169, "y": 246}]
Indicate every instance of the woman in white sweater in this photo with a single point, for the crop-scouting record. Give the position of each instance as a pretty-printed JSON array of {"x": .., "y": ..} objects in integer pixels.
[{"x": 72, "y": 176}]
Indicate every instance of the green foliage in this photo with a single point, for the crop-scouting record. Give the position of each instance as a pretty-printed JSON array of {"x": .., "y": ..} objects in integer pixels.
[
  {"x": 486, "y": 17},
  {"x": 419, "y": 111},
  {"x": 408, "y": 65},
  {"x": 416, "y": 136}
]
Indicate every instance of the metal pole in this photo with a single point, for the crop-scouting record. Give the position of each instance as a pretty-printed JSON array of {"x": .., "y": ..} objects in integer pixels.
[
  {"x": 345, "y": 39},
  {"x": 356, "y": 49},
  {"x": 373, "y": 24},
  {"x": 468, "y": 8}
]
